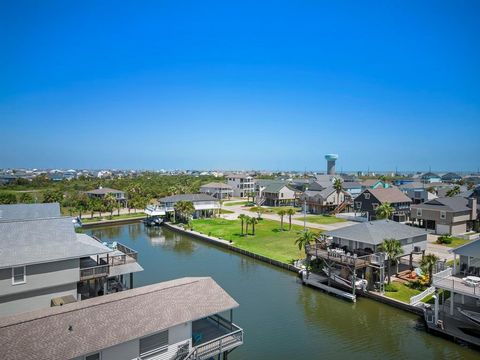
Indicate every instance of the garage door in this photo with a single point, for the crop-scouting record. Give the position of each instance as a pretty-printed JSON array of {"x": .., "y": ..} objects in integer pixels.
[{"x": 443, "y": 229}]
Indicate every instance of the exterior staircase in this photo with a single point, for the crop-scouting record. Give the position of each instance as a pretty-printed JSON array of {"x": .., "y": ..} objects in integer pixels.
[{"x": 340, "y": 207}]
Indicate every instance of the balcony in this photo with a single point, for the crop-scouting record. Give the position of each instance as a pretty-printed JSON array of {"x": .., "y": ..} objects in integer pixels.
[
  {"x": 213, "y": 336},
  {"x": 342, "y": 257},
  {"x": 446, "y": 280}
]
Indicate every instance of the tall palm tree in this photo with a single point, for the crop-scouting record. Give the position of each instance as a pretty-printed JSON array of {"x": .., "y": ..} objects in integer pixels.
[
  {"x": 247, "y": 221},
  {"x": 281, "y": 213},
  {"x": 253, "y": 220},
  {"x": 110, "y": 203},
  {"x": 242, "y": 218},
  {"x": 454, "y": 191},
  {"x": 305, "y": 238},
  {"x": 393, "y": 249},
  {"x": 385, "y": 211},
  {"x": 338, "y": 186},
  {"x": 290, "y": 212},
  {"x": 427, "y": 264}
]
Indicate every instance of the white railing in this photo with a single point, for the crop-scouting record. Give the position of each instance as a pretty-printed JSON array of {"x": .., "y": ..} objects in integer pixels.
[
  {"x": 443, "y": 274},
  {"x": 417, "y": 298}
]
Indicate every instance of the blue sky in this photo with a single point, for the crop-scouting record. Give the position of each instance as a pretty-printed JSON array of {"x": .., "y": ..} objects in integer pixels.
[{"x": 244, "y": 85}]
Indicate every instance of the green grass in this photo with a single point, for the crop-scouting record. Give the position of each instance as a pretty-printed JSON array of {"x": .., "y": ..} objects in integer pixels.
[
  {"x": 456, "y": 241},
  {"x": 268, "y": 240},
  {"x": 275, "y": 209},
  {"x": 323, "y": 219},
  {"x": 87, "y": 219},
  {"x": 233, "y": 203},
  {"x": 403, "y": 292},
  {"x": 225, "y": 211}
]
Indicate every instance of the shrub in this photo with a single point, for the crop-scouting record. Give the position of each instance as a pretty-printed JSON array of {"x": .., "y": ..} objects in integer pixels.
[{"x": 444, "y": 239}]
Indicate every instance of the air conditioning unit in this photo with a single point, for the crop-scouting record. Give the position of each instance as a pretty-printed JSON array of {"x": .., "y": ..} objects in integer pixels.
[{"x": 417, "y": 249}]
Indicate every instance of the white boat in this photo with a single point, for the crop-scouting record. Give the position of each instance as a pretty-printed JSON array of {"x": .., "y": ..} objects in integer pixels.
[
  {"x": 471, "y": 315},
  {"x": 360, "y": 284}
]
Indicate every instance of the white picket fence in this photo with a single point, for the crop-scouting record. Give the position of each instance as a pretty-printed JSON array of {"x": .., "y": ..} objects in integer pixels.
[{"x": 417, "y": 298}]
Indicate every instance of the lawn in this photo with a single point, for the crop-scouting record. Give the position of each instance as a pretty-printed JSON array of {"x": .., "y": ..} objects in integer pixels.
[
  {"x": 87, "y": 218},
  {"x": 268, "y": 240},
  {"x": 274, "y": 210},
  {"x": 224, "y": 211},
  {"x": 456, "y": 241},
  {"x": 323, "y": 219},
  {"x": 233, "y": 203},
  {"x": 403, "y": 293}
]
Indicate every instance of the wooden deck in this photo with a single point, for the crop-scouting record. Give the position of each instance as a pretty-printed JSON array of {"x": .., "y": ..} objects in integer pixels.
[{"x": 358, "y": 262}]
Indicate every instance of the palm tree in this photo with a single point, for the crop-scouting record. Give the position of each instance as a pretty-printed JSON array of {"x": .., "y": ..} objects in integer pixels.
[
  {"x": 110, "y": 202},
  {"x": 242, "y": 218},
  {"x": 385, "y": 211},
  {"x": 290, "y": 212},
  {"x": 305, "y": 238},
  {"x": 338, "y": 186},
  {"x": 393, "y": 249},
  {"x": 247, "y": 221},
  {"x": 453, "y": 192},
  {"x": 281, "y": 213},
  {"x": 253, "y": 221},
  {"x": 427, "y": 264}
]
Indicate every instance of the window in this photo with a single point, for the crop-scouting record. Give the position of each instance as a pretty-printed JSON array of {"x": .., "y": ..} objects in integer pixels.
[
  {"x": 443, "y": 214},
  {"x": 419, "y": 212},
  {"x": 153, "y": 345},
  {"x": 95, "y": 356},
  {"x": 358, "y": 204},
  {"x": 367, "y": 196},
  {"x": 375, "y": 206},
  {"x": 19, "y": 275}
]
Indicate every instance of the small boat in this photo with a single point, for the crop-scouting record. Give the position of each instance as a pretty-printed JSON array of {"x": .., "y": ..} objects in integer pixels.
[
  {"x": 153, "y": 221},
  {"x": 360, "y": 284},
  {"x": 470, "y": 315}
]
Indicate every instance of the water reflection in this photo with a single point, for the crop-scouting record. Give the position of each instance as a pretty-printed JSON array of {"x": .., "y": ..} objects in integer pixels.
[{"x": 170, "y": 240}]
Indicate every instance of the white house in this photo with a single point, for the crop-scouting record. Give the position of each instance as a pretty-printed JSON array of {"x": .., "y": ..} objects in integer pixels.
[{"x": 242, "y": 184}]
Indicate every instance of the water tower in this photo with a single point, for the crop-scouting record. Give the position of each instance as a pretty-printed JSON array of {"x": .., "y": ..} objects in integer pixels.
[{"x": 331, "y": 158}]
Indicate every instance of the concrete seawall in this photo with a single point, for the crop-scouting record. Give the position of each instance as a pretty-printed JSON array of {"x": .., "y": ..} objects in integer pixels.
[{"x": 113, "y": 222}]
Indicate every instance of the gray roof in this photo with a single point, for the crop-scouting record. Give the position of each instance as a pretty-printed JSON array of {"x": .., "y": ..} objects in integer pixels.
[
  {"x": 44, "y": 240},
  {"x": 413, "y": 185},
  {"x": 216, "y": 185},
  {"x": 29, "y": 211},
  {"x": 187, "y": 197},
  {"x": 453, "y": 204},
  {"x": 272, "y": 186},
  {"x": 351, "y": 184},
  {"x": 374, "y": 232},
  {"x": 469, "y": 249},
  {"x": 104, "y": 191},
  {"x": 105, "y": 321}
]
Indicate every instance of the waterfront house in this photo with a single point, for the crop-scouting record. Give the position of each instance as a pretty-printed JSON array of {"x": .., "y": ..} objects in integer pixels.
[
  {"x": 275, "y": 193},
  {"x": 446, "y": 215},
  {"x": 101, "y": 192},
  {"x": 217, "y": 190},
  {"x": 242, "y": 184},
  {"x": 324, "y": 201},
  {"x": 370, "y": 199},
  {"x": 205, "y": 205},
  {"x": 44, "y": 262},
  {"x": 177, "y": 319}
]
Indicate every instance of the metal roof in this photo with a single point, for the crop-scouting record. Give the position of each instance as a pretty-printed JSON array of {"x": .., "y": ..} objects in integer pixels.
[
  {"x": 76, "y": 329},
  {"x": 374, "y": 232},
  {"x": 34, "y": 241},
  {"x": 29, "y": 211},
  {"x": 469, "y": 249}
]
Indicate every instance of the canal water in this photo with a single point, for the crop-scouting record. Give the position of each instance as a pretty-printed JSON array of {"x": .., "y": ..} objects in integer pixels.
[{"x": 281, "y": 318}]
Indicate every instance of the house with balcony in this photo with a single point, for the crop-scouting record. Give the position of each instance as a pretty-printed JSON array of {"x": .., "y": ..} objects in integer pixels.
[
  {"x": 205, "y": 205},
  {"x": 219, "y": 191},
  {"x": 186, "y": 318},
  {"x": 417, "y": 192},
  {"x": 446, "y": 215},
  {"x": 430, "y": 177},
  {"x": 370, "y": 199},
  {"x": 324, "y": 201},
  {"x": 242, "y": 184},
  {"x": 451, "y": 177},
  {"x": 275, "y": 193},
  {"x": 101, "y": 192},
  {"x": 44, "y": 262}
]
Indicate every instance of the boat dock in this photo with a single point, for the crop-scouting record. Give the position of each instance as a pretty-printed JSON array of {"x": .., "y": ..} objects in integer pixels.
[{"x": 319, "y": 282}]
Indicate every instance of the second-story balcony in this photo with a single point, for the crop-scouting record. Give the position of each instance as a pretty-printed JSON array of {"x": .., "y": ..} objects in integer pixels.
[{"x": 460, "y": 284}]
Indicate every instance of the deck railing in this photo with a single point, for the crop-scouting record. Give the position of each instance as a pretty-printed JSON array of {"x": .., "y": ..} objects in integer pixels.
[
  {"x": 417, "y": 298},
  {"x": 94, "y": 271},
  {"x": 347, "y": 258},
  {"x": 445, "y": 280}
]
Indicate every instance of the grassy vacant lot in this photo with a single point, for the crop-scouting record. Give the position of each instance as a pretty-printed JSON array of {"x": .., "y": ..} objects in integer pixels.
[
  {"x": 233, "y": 203},
  {"x": 86, "y": 217},
  {"x": 456, "y": 241},
  {"x": 403, "y": 293},
  {"x": 268, "y": 240},
  {"x": 323, "y": 219}
]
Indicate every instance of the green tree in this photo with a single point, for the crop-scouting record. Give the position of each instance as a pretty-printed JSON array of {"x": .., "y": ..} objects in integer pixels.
[
  {"x": 7, "y": 198},
  {"x": 109, "y": 201},
  {"x": 259, "y": 210},
  {"x": 184, "y": 210},
  {"x": 253, "y": 221},
  {"x": 247, "y": 222},
  {"x": 281, "y": 213},
  {"x": 305, "y": 238},
  {"x": 338, "y": 186},
  {"x": 427, "y": 264},
  {"x": 393, "y": 249},
  {"x": 52, "y": 196},
  {"x": 454, "y": 191},
  {"x": 242, "y": 218},
  {"x": 290, "y": 212},
  {"x": 385, "y": 211},
  {"x": 26, "y": 198}
]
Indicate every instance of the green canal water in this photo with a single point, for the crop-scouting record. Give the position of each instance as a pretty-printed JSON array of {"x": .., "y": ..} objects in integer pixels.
[{"x": 282, "y": 318}]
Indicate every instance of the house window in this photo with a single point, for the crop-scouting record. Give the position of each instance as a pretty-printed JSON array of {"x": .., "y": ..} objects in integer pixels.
[
  {"x": 96, "y": 356},
  {"x": 443, "y": 214},
  {"x": 358, "y": 204},
  {"x": 367, "y": 196},
  {"x": 419, "y": 212},
  {"x": 19, "y": 275},
  {"x": 153, "y": 345},
  {"x": 375, "y": 206}
]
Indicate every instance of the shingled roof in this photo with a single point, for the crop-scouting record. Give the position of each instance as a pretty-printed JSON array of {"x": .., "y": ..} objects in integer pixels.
[
  {"x": 217, "y": 185},
  {"x": 187, "y": 197},
  {"x": 390, "y": 195},
  {"x": 453, "y": 204},
  {"x": 29, "y": 211},
  {"x": 109, "y": 320}
]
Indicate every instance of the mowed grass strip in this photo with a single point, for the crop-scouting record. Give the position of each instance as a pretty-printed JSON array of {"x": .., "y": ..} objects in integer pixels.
[
  {"x": 322, "y": 219},
  {"x": 269, "y": 240}
]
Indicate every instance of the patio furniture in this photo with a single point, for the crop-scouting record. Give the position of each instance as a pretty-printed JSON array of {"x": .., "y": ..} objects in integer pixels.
[{"x": 471, "y": 281}]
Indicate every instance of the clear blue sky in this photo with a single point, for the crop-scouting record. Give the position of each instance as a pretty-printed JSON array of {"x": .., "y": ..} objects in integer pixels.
[{"x": 245, "y": 85}]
